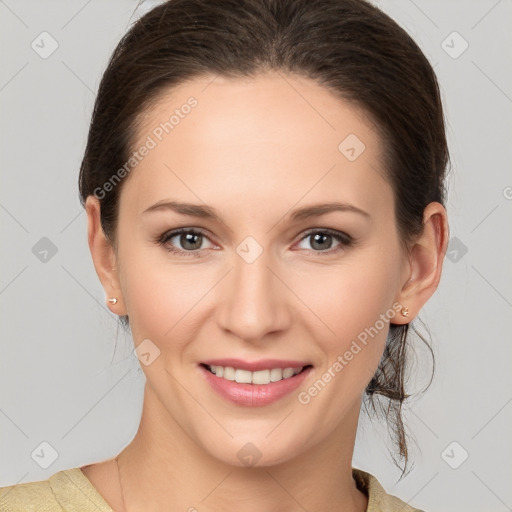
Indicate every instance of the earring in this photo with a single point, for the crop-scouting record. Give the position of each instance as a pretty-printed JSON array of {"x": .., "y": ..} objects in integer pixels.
[
  {"x": 113, "y": 300},
  {"x": 405, "y": 311}
]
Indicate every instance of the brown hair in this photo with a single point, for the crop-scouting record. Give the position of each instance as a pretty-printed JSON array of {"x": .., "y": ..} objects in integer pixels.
[{"x": 348, "y": 46}]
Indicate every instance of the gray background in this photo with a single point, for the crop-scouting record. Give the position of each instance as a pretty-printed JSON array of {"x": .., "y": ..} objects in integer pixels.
[{"x": 67, "y": 374}]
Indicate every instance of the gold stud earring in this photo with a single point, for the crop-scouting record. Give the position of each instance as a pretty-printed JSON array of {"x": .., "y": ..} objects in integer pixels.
[
  {"x": 113, "y": 300},
  {"x": 405, "y": 311}
]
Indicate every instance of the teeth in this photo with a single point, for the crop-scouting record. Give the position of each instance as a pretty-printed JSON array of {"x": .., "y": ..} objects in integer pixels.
[
  {"x": 287, "y": 373},
  {"x": 229, "y": 373},
  {"x": 259, "y": 377},
  {"x": 276, "y": 374},
  {"x": 243, "y": 376}
]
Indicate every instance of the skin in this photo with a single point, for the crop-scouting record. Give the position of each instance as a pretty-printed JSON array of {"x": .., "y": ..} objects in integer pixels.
[{"x": 255, "y": 150}]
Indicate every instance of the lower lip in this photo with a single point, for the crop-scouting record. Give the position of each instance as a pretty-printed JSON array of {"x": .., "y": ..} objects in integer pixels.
[{"x": 254, "y": 395}]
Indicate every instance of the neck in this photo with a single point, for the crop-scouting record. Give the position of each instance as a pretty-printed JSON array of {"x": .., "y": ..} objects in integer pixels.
[{"x": 162, "y": 469}]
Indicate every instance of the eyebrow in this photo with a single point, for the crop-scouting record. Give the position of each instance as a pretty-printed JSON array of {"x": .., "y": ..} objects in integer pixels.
[{"x": 207, "y": 212}]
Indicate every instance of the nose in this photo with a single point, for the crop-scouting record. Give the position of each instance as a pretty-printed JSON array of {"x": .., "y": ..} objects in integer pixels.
[{"x": 254, "y": 301}]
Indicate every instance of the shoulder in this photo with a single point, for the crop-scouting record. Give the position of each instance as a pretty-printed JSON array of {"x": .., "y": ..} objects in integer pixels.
[
  {"x": 31, "y": 496},
  {"x": 378, "y": 499},
  {"x": 65, "y": 490}
]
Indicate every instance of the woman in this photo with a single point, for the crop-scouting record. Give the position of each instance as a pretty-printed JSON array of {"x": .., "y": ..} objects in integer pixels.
[{"x": 264, "y": 188}]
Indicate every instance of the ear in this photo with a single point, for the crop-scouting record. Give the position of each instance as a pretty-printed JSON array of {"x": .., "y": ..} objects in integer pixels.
[
  {"x": 103, "y": 256},
  {"x": 426, "y": 257}
]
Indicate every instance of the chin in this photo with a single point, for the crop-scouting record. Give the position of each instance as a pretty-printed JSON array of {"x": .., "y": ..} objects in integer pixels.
[{"x": 260, "y": 449}]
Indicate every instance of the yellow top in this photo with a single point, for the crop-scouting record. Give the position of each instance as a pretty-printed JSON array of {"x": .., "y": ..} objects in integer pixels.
[{"x": 71, "y": 491}]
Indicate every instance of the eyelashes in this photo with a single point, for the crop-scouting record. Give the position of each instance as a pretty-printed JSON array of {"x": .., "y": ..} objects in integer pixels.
[
  {"x": 193, "y": 235},
  {"x": 318, "y": 234},
  {"x": 167, "y": 236}
]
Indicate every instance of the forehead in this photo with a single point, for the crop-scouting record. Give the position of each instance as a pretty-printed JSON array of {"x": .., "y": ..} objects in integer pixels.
[{"x": 269, "y": 134}]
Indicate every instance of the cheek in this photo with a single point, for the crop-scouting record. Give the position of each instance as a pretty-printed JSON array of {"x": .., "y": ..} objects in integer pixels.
[
  {"x": 350, "y": 297},
  {"x": 358, "y": 308},
  {"x": 353, "y": 308},
  {"x": 164, "y": 299}
]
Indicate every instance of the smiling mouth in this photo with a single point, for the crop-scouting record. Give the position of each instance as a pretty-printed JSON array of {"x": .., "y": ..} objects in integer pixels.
[{"x": 260, "y": 377}]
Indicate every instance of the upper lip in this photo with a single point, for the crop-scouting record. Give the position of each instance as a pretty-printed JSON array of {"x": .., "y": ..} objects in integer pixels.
[{"x": 254, "y": 366}]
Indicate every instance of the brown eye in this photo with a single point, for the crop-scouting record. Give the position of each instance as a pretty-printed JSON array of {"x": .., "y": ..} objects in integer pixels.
[
  {"x": 321, "y": 241},
  {"x": 190, "y": 241},
  {"x": 183, "y": 241},
  {"x": 324, "y": 240}
]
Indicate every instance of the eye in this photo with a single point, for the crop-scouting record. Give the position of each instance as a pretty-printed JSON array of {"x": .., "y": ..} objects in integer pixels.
[
  {"x": 321, "y": 240},
  {"x": 190, "y": 240}
]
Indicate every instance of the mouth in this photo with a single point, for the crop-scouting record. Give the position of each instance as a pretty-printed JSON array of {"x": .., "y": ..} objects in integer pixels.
[
  {"x": 259, "y": 377},
  {"x": 254, "y": 384}
]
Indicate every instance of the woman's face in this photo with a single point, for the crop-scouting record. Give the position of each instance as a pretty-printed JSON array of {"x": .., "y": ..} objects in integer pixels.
[{"x": 265, "y": 283}]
